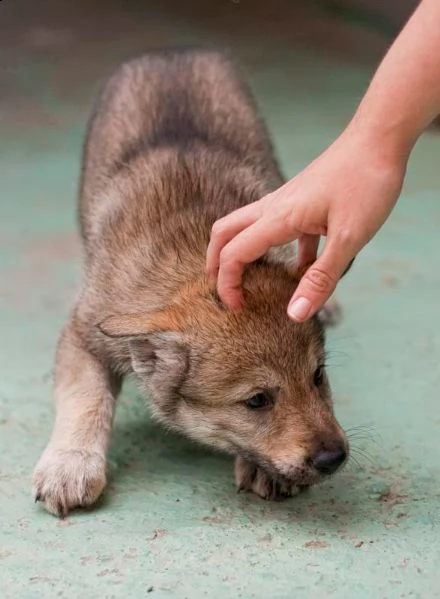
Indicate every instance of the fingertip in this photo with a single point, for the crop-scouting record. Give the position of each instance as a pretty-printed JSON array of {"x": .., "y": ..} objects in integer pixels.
[
  {"x": 300, "y": 309},
  {"x": 211, "y": 264},
  {"x": 211, "y": 275},
  {"x": 233, "y": 299}
]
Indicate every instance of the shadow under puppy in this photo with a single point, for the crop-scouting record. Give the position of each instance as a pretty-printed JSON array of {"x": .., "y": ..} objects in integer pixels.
[{"x": 175, "y": 143}]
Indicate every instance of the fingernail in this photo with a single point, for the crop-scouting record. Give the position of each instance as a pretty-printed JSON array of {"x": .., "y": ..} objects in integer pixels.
[{"x": 299, "y": 309}]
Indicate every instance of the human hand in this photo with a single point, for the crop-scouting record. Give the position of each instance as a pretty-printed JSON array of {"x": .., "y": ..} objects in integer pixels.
[{"x": 346, "y": 195}]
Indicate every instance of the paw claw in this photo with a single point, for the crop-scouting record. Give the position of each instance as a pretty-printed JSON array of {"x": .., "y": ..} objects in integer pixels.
[
  {"x": 64, "y": 479},
  {"x": 249, "y": 477}
]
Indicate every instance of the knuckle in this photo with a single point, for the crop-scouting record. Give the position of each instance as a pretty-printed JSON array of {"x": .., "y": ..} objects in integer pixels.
[
  {"x": 226, "y": 256},
  {"x": 218, "y": 228},
  {"x": 346, "y": 237},
  {"x": 320, "y": 281},
  {"x": 267, "y": 200},
  {"x": 290, "y": 221}
]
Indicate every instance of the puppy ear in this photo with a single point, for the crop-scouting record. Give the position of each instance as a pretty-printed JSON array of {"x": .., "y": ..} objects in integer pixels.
[
  {"x": 158, "y": 350},
  {"x": 139, "y": 325}
]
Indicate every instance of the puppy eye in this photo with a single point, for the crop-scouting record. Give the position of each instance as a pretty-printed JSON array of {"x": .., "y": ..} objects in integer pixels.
[
  {"x": 258, "y": 401},
  {"x": 318, "y": 377}
]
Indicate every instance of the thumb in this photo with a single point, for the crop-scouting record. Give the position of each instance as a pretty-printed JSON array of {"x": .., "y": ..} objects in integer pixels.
[{"x": 318, "y": 283}]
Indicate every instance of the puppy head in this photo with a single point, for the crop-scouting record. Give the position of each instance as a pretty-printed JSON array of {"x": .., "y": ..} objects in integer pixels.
[{"x": 251, "y": 383}]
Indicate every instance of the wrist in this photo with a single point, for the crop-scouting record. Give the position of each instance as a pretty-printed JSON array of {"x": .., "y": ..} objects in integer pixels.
[
  {"x": 384, "y": 145},
  {"x": 389, "y": 140}
]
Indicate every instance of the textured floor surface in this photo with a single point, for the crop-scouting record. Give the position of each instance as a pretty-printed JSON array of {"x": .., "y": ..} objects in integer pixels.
[{"x": 171, "y": 523}]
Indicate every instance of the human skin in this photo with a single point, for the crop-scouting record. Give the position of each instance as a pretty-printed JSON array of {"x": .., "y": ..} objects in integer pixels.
[{"x": 348, "y": 192}]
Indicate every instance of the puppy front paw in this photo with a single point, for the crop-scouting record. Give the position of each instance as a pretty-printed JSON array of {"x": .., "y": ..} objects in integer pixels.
[
  {"x": 66, "y": 479},
  {"x": 250, "y": 477}
]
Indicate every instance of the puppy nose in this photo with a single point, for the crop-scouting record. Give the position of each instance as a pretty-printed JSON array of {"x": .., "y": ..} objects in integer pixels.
[{"x": 327, "y": 461}]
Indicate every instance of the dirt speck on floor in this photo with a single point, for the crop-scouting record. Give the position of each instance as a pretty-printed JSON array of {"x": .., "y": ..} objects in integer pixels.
[
  {"x": 158, "y": 534},
  {"x": 391, "y": 282},
  {"x": 110, "y": 571},
  {"x": 214, "y": 519},
  {"x": 266, "y": 539},
  {"x": 316, "y": 544},
  {"x": 391, "y": 499}
]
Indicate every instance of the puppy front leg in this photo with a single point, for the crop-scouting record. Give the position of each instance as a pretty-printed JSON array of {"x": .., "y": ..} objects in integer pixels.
[{"x": 72, "y": 469}]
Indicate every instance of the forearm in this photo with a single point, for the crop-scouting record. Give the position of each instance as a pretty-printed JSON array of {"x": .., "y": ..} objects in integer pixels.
[{"x": 404, "y": 95}]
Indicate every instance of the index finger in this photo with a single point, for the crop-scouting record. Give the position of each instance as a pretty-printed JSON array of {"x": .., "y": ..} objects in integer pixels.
[
  {"x": 224, "y": 230},
  {"x": 246, "y": 247}
]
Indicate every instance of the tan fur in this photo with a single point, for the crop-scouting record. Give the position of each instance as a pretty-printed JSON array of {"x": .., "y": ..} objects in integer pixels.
[{"x": 174, "y": 144}]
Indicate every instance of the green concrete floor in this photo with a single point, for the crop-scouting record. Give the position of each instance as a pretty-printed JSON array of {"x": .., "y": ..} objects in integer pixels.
[{"x": 171, "y": 524}]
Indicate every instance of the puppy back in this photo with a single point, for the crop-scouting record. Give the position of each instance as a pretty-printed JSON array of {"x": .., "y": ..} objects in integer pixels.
[{"x": 173, "y": 99}]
